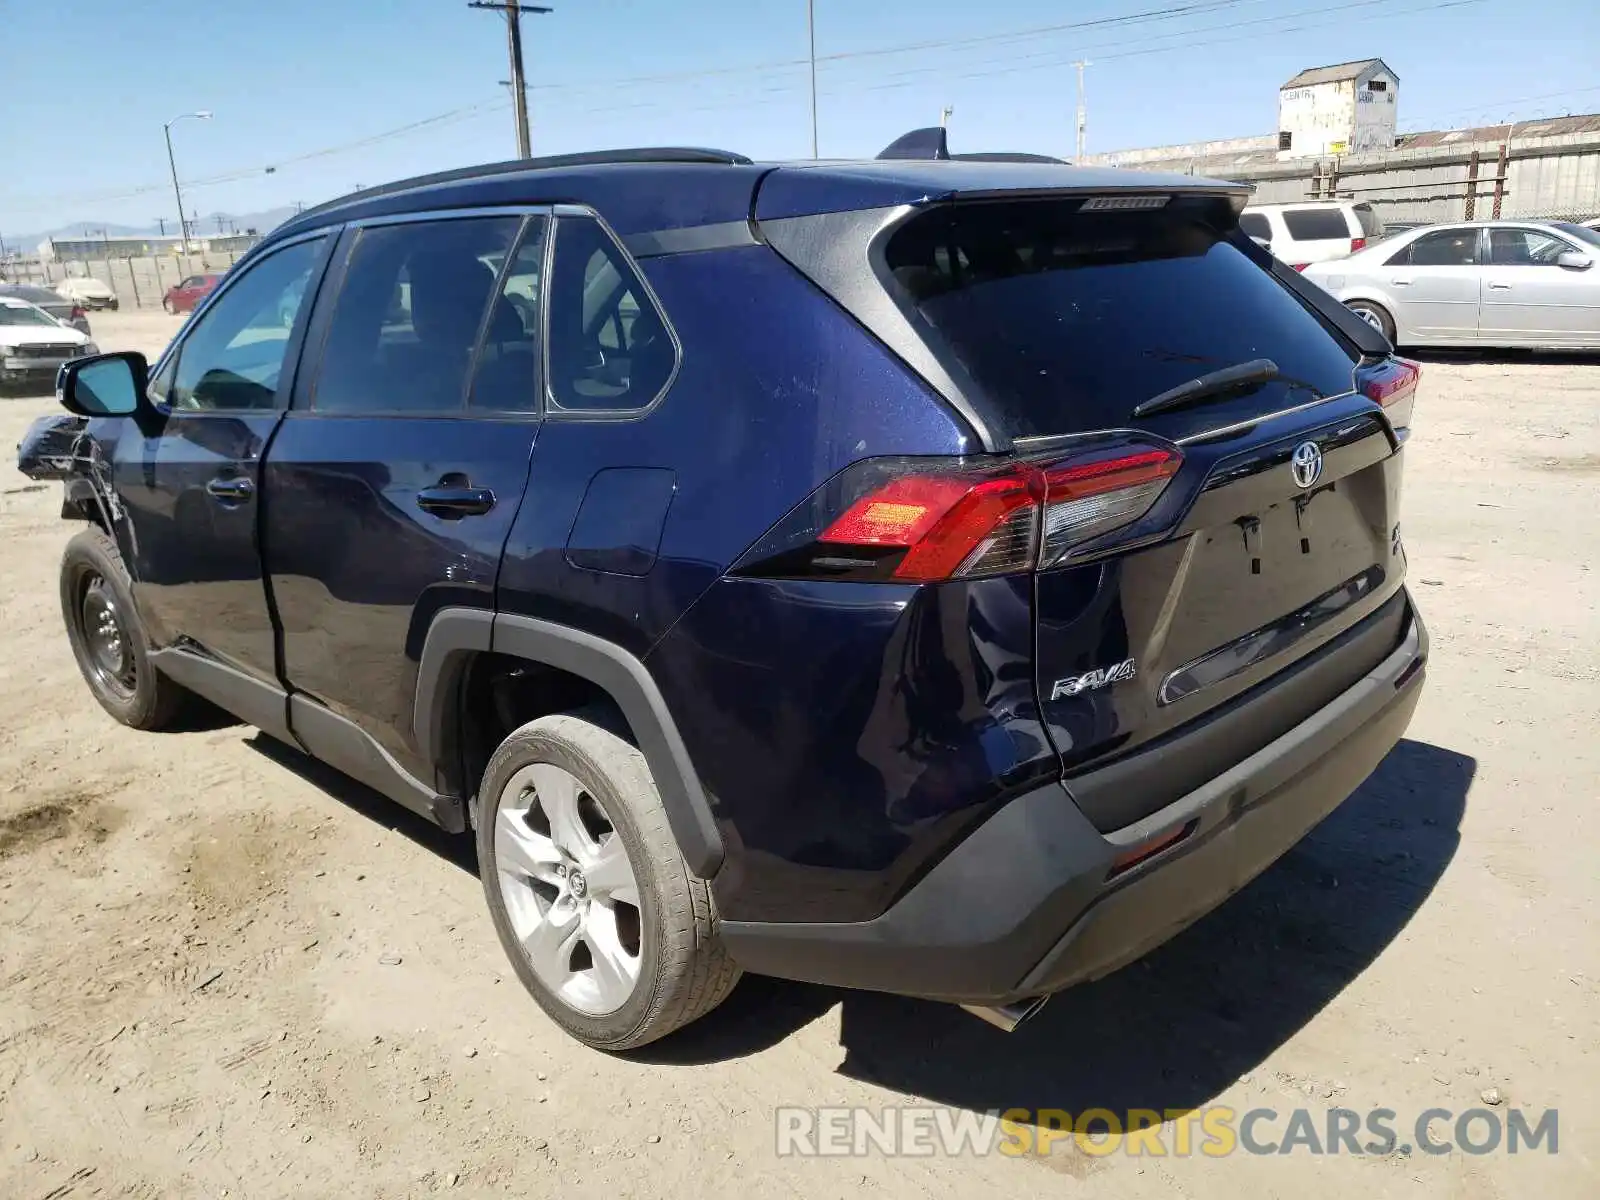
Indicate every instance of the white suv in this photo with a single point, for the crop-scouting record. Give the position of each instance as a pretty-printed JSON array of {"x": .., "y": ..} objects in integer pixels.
[{"x": 1315, "y": 231}]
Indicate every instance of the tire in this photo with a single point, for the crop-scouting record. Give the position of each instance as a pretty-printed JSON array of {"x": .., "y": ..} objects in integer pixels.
[
  {"x": 94, "y": 590},
  {"x": 681, "y": 969},
  {"x": 1374, "y": 314}
]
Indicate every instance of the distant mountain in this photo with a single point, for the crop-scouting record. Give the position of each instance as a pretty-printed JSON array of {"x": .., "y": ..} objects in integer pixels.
[{"x": 261, "y": 222}]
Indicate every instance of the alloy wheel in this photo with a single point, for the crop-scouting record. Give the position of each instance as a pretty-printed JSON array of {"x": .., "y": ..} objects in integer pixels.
[{"x": 569, "y": 889}]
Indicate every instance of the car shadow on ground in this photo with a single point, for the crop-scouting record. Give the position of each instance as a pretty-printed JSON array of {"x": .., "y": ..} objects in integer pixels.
[
  {"x": 455, "y": 848},
  {"x": 1502, "y": 357},
  {"x": 1172, "y": 1030},
  {"x": 1178, "y": 1027}
]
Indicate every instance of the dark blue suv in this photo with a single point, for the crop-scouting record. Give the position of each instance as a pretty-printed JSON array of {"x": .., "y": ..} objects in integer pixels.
[{"x": 943, "y": 577}]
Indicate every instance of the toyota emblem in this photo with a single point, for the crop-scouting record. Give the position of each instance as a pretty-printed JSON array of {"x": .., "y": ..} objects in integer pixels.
[{"x": 1306, "y": 464}]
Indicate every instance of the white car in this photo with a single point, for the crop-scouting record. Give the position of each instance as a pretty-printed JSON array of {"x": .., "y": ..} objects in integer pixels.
[
  {"x": 1530, "y": 284},
  {"x": 33, "y": 344},
  {"x": 90, "y": 293},
  {"x": 1315, "y": 231}
]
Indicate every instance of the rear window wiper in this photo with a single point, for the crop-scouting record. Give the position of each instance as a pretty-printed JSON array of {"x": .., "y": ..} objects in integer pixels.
[{"x": 1212, "y": 383}]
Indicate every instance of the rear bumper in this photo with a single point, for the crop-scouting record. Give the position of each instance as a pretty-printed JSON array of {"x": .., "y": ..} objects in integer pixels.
[{"x": 1023, "y": 905}]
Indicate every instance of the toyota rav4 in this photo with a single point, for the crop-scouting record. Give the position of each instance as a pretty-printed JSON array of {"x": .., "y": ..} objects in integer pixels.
[{"x": 950, "y": 578}]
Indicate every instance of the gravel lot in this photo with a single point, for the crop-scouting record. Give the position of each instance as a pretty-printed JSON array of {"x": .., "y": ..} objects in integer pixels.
[{"x": 226, "y": 972}]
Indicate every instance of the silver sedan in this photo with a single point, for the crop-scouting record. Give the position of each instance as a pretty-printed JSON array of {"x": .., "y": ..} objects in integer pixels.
[{"x": 1477, "y": 283}]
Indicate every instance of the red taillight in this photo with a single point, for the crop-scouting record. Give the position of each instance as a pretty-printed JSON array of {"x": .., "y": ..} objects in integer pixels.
[
  {"x": 961, "y": 525},
  {"x": 1301, "y": 266},
  {"x": 1357, "y": 244},
  {"x": 1397, "y": 381},
  {"x": 949, "y": 524},
  {"x": 1087, "y": 499},
  {"x": 78, "y": 312}
]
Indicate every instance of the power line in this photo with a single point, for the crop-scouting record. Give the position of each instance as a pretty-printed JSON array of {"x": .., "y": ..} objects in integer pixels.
[
  {"x": 1015, "y": 66},
  {"x": 1040, "y": 60}
]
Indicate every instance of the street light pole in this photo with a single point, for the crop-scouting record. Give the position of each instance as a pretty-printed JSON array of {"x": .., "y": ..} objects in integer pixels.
[
  {"x": 1083, "y": 109},
  {"x": 177, "y": 192},
  {"x": 811, "y": 33}
]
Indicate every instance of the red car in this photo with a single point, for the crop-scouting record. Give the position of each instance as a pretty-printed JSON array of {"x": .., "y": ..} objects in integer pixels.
[{"x": 182, "y": 296}]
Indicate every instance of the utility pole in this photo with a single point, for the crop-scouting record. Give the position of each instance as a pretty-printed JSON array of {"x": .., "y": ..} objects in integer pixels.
[
  {"x": 162, "y": 222},
  {"x": 944, "y": 116},
  {"x": 519, "y": 91},
  {"x": 1083, "y": 109},
  {"x": 811, "y": 33}
]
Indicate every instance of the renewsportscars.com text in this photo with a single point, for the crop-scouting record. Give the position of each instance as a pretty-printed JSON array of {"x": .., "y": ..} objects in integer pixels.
[{"x": 1214, "y": 1132}]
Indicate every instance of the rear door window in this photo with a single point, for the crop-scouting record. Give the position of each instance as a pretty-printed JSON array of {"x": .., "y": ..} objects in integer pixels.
[
  {"x": 407, "y": 318},
  {"x": 1068, "y": 320},
  {"x": 1442, "y": 248},
  {"x": 507, "y": 376},
  {"x": 1316, "y": 224}
]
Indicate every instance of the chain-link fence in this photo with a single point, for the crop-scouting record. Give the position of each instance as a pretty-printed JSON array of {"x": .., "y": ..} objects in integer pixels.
[{"x": 139, "y": 282}]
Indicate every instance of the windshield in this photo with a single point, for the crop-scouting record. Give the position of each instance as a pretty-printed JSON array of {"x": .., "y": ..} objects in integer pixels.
[
  {"x": 1582, "y": 232},
  {"x": 1068, "y": 320},
  {"x": 25, "y": 314}
]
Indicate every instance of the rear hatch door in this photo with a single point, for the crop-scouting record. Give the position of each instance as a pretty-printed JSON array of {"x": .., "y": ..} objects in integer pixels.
[{"x": 1274, "y": 540}]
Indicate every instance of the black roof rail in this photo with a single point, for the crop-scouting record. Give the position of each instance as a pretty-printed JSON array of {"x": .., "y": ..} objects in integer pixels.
[
  {"x": 588, "y": 158},
  {"x": 933, "y": 144},
  {"x": 1017, "y": 156}
]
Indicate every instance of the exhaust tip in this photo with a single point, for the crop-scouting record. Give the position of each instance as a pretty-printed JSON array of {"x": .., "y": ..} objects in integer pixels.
[{"x": 1007, "y": 1016}]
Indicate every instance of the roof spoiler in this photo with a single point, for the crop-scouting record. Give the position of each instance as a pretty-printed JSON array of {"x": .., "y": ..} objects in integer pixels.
[{"x": 932, "y": 144}]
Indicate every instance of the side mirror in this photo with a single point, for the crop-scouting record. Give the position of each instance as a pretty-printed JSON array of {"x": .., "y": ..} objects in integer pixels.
[
  {"x": 1572, "y": 260},
  {"x": 105, "y": 385}
]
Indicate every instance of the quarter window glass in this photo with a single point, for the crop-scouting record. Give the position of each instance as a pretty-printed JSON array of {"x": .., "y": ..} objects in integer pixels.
[
  {"x": 233, "y": 357},
  {"x": 609, "y": 345},
  {"x": 1316, "y": 224},
  {"x": 408, "y": 315},
  {"x": 1524, "y": 248},
  {"x": 1256, "y": 225},
  {"x": 1446, "y": 248},
  {"x": 508, "y": 361}
]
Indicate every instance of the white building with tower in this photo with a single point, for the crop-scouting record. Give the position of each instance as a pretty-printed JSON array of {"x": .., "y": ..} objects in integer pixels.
[{"x": 1347, "y": 108}]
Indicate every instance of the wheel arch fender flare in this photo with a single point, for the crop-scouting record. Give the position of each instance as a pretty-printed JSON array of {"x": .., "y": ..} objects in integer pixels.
[{"x": 456, "y": 634}]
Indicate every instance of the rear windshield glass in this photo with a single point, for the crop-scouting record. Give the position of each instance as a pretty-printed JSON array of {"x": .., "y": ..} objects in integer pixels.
[
  {"x": 1371, "y": 226},
  {"x": 1316, "y": 224},
  {"x": 1068, "y": 320}
]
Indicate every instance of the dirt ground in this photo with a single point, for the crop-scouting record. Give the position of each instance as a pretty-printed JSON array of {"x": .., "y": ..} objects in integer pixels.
[{"x": 226, "y": 972}]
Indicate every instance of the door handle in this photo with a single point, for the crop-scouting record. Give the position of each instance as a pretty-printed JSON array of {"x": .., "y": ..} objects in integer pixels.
[
  {"x": 1501, "y": 287},
  {"x": 230, "y": 489},
  {"x": 1401, "y": 282},
  {"x": 453, "y": 503}
]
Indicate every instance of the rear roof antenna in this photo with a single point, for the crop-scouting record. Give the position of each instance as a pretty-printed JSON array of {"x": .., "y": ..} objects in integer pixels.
[{"x": 920, "y": 144}]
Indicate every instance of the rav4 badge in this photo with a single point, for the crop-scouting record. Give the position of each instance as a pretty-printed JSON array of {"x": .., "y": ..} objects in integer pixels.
[{"x": 1073, "y": 685}]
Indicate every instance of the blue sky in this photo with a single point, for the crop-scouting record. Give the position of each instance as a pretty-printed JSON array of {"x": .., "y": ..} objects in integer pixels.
[{"x": 302, "y": 85}]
